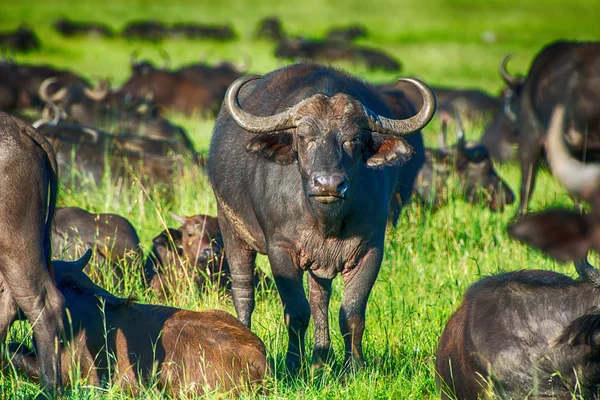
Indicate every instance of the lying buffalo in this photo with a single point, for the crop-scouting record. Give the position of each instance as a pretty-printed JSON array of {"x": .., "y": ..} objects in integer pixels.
[
  {"x": 347, "y": 33},
  {"x": 191, "y": 253},
  {"x": 28, "y": 185},
  {"x": 113, "y": 238},
  {"x": 68, "y": 27},
  {"x": 470, "y": 161},
  {"x": 88, "y": 155},
  {"x": 180, "y": 351},
  {"x": 304, "y": 171},
  {"x": 533, "y": 333},
  {"x": 334, "y": 51},
  {"x": 560, "y": 73}
]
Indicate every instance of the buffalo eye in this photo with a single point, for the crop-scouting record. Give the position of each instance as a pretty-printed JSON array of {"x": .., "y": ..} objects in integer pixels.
[{"x": 351, "y": 145}]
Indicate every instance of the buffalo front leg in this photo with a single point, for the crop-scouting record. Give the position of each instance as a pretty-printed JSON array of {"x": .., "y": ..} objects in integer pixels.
[
  {"x": 358, "y": 283},
  {"x": 241, "y": 264},
  {"x": 319, "y": 295},
  {"x": 296, "y": 310}
]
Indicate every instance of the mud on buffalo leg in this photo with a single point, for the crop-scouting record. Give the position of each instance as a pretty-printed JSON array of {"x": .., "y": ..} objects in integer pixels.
[
  {"x": 241, "y": 264},
  {"x": 319, "y": 294},
  {"x": 296, "y": 310},
  {"x": 529, "y": 155},
  {"x": 357, "y": 288}
]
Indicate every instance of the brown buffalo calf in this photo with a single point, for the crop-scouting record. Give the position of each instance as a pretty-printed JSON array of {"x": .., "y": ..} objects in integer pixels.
[
  {"x": 179, "y": 350},
  {"x": 193, "y": 252}
]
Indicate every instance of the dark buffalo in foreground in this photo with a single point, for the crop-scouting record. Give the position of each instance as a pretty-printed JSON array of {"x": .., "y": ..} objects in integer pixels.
[
  {"x": 563, "y": 72},
  {"x": 21, "y": 40},
  {"x": 68, "y": 27},
  {"x": 28, "y": 182},
  {"x": 112, "y": 237},
  {"x": 303, "y": 163},
  {"x": 334, "y": 51},
  {"x": 181, "y": 351},
  {"x": 533, "y": 333}
]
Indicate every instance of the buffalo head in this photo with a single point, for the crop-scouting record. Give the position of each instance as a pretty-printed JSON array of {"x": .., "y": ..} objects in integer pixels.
[
  {"x": 329, "y": 137},
  {"x": 512, "y": 93}
]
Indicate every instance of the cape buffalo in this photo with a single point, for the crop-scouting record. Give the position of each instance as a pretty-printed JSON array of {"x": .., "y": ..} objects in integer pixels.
[
  {"x": 28, "y": 180},
  {"x": 21, "y": 40},
  {"x": 113, "y": 238},
  {"x": 563, "y": 72},
  {"x": 533, "y": 333},
  {"x": 68, "y": 27},
  {"x": 303, "y": 171},
  {"x": 470, "y": 161},
  {"x": 126, "y": 343}
]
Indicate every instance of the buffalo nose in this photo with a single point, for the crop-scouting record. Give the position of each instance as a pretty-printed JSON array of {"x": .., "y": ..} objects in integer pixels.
[{"x": 330, "y": 184}]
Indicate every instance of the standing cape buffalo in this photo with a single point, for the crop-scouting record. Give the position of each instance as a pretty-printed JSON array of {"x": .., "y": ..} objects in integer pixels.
[
  {"x": 303, "y": 171},
  {"x": 28, "y": 185},
  {"x": 563, "y": 72},
  {"x": 534, "y": 333}
]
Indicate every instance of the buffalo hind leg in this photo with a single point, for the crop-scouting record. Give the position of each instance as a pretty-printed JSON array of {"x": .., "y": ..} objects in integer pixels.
[
  {"x": 296, "y": 309},
  {"x": 34, "y": 292},
  {"x": 319, "y": 295},
  {"x": 241, "y": 264},
  {"x": 358, "y": 283},
  {"x": 530, "y": 151}
]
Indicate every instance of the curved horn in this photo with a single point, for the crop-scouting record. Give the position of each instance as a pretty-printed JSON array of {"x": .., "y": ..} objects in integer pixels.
[
  {"x": 43, "y": 89},
  {"x": 96, "y": 94},
  {"x": 177, "y": 217},
  {"x": 588, "y": 272},
  {"x": 405, "y": 127},
  {"x": 252, "y": 123},
  {"x": 43, "y": 121},
  {"x": 511, "y": 81},
  {"x": 579, "y": 179}
]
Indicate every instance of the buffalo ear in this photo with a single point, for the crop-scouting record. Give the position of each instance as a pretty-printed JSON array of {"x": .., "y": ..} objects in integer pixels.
[
  {"x": 563, "y": 235},
  {"x": 276, "y": 147},
  {"x": 386, "y": 150}
]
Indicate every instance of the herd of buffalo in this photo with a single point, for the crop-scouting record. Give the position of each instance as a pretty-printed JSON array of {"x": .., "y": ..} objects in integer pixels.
[{"x": 309, "y": 165}]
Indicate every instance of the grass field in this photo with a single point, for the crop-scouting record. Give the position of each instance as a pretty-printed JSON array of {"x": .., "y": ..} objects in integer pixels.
[{"x": 430, "y": 258}]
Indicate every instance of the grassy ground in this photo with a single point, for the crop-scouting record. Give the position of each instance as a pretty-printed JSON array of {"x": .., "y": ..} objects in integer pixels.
[{"x": 430, "y": 258}]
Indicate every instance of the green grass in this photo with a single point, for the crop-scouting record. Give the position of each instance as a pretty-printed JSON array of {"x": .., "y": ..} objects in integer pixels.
[{"x": 430, "y": 259}]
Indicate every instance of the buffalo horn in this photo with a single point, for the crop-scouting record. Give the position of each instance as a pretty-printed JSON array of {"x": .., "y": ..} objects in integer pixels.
[
  {"x": 588, "y": 272},
  {"x": 579, "y": 179},
  {"x": 511, "y": 81}
]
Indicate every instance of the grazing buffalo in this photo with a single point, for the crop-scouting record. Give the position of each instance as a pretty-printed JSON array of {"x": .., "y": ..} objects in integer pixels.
[
  {"x": 113, "y": 238},
  {"x": 21, "y": 40},
  {"x": 563, "y": 72},
  {"x": 303, "y": 163},
  {"x": 334, "y": 51},
  {"x": 28, "y": 183},
  {"x": 500, "y": 137},
  {"x": 470, "y": 161},
  {"x": 119, "y": 341},
  {"x": 533, "y": 333},
  {"x": 68, "y": 27}
]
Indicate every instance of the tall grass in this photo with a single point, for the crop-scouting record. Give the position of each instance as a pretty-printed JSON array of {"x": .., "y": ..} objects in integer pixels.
[{"x": 430, "y": 258}]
